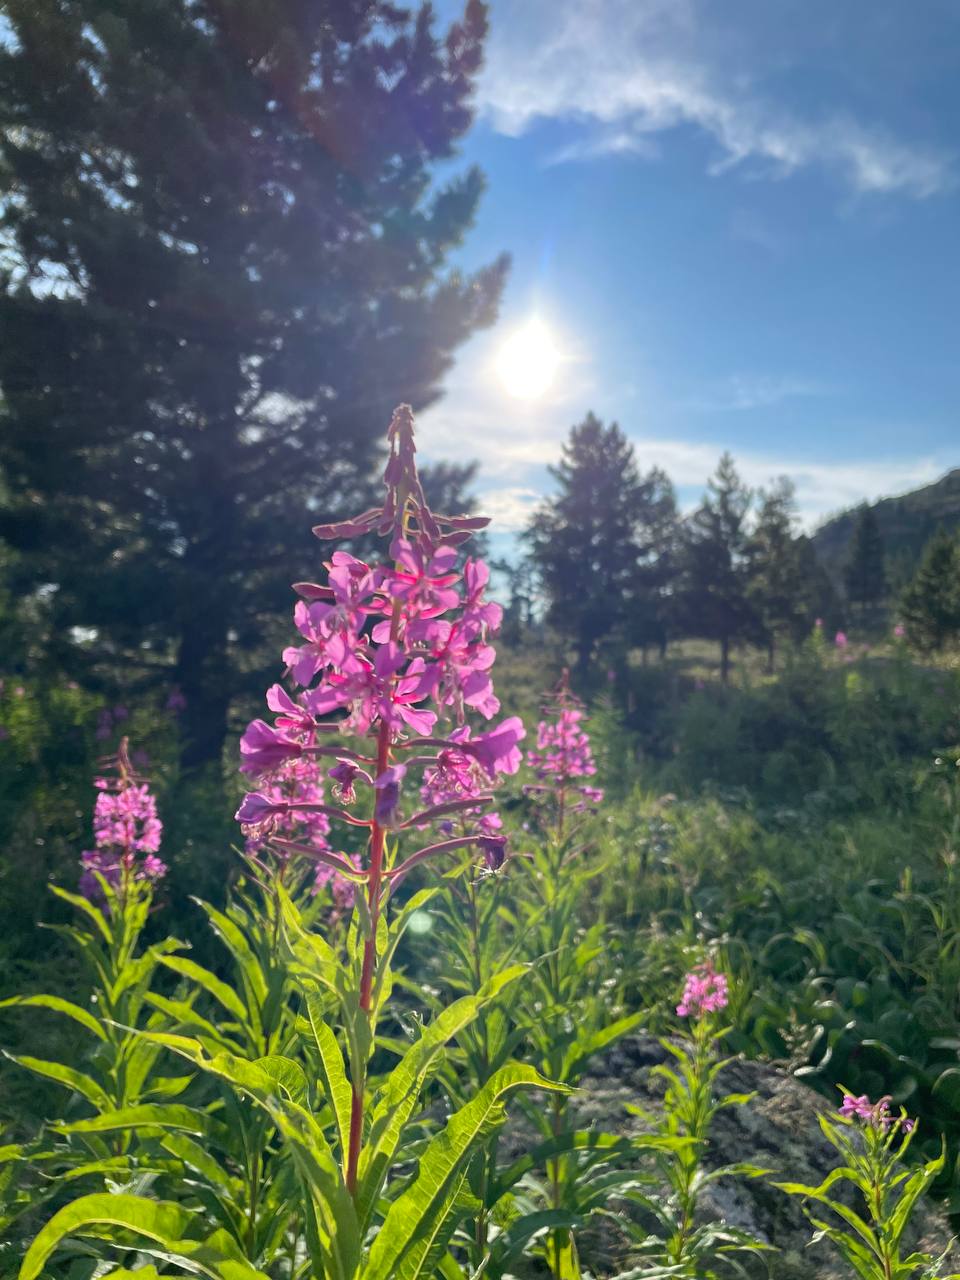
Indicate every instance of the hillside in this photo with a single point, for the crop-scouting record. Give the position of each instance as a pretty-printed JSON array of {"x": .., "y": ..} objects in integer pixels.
[{"x": 906, "y": 523}]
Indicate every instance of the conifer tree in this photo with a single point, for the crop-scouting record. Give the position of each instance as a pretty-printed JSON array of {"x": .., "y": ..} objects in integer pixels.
[
  {"x": 774, "y": 567},
  {"x": 594, "y": 544},
  {"x": 712, "y": 598},
  {"x": 224, "y": 265},
  {"x": 865, "y": 575},
  {"x": 930, "y": 605}
]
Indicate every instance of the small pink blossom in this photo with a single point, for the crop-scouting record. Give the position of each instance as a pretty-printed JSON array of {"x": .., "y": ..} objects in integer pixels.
[
  {"x": 704, "y": 991},
  {"x": 840, "y": 640},
  {"x": 876, "y": 1114}
]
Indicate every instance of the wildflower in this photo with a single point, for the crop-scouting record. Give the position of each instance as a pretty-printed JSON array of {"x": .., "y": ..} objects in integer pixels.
[
  {"x": 563, "y": 752},
  {"x": 704, "y": 991},
  {"x": 493, "y": 849},
  {"x": 387, "y": 651},
  {"x": 875, "y": 1114},
  {"x": 899, "y": 631},
  {"x": 125, "y": 824},
  {"x": 264, "y": 749},
  {"x": 840, "y": 640},
  {"x": 388, "y": 795}
]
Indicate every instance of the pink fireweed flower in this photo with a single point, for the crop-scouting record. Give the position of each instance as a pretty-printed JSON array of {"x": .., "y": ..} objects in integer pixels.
[
  {"x": 899, "y": 631},
  {"x": 264, "y": 749},
  {"x": 283, "y": 809},
  {"x": 704, "y": 991},
  {"x": 125, "y": 824},
  {"x": 563, "y": 755},
  {"x": 388, "y": 653},
  {"x": 875, "y": 1114},
  {"x": 840, "y": 640}
]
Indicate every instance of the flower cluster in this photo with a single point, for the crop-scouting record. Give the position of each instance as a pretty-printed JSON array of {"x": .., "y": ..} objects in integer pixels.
[
  {"x": 563, "y": 752},
  {"x": 704, "y": 991},
  {"x": 300, "y": 780},
  {"x": 125, "y": 824},
  {"x": 875, "y": 1114},
  {"x": 387, "y": 651}
]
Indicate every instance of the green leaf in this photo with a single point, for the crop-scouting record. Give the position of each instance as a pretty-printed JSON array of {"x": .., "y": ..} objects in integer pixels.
[
  {"x": 163, "y": 1223},
  {"x": 67, "y": 1007},
  {"x": 946, "y": 1088},
  {"x": 402, "y": 1088},
  {"x": 86, "y": 906},
  {"x": 332, "y": 1069},
  {"x": 582, "y": 1050},
  {"x": 221, "y": 991},
  {"x": 912, "y": 1191},
  {"x": 421, "y": 1216},
  {"x": 67, "y": 1076},
  {"x": 156, "y": 1115}
]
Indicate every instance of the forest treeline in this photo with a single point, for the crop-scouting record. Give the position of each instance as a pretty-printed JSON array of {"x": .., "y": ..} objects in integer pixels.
[{"x": 612, "y": 562}]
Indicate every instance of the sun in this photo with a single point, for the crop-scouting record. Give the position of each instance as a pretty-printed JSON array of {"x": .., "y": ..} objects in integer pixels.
[{"x": 528, "y": 361}]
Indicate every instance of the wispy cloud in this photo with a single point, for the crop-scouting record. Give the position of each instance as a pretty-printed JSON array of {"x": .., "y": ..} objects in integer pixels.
[
  {"x": 752, "y": 391},
  {"x": 619, "y": 142},
  {"x": 627, "y": 69}
]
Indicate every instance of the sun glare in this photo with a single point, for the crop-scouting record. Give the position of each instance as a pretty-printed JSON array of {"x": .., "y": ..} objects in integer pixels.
[{"x": 528, "y": 361}]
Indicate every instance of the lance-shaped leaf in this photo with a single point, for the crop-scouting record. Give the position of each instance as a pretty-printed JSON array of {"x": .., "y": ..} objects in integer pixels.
[
  {"x": 68, "y": 1076},
  {"x": 421, "y": 1219},
  {"x": 401, "y": 1091},
  {"x": 221, "y": 991},
  {"x": 156, "y": 1222},
  {"x": 151, "y": 1116},
  {"x": 58, "y": 1005}
]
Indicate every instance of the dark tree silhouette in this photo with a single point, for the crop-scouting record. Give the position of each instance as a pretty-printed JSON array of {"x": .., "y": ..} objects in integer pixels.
[
  {"x": 930, "y": 605},
  {"x": 224, "y": 264},
  {"x": 865, "y": 576},
  {"x": 775, "y": 567},
  {"x": 593, "y": 543},
  {"x": 712, "y": 598}
]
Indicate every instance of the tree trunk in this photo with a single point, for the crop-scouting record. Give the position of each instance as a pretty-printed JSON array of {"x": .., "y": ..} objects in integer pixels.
[
  {"x": 725, "y": 659},
  {"x": 771, "y": 644},
  {"x": 203, "y": 673}
]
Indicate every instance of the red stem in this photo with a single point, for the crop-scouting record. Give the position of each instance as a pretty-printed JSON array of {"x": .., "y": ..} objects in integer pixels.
[{"x": 374, "y": 881}]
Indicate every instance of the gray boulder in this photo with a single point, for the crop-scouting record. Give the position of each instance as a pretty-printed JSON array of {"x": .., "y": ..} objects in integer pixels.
[{"x": 777, "y": 1130}]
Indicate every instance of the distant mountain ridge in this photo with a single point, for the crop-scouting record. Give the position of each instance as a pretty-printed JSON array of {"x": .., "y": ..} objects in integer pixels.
[{"x": 907, "y": 522}]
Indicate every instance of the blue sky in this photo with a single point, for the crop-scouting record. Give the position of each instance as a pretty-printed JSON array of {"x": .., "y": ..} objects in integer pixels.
[{"x": 742, "y": 222}]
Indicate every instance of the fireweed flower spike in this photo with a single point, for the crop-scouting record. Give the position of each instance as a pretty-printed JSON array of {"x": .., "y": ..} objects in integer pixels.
[
  {"x": 389, "y": 651},
  {"x": 563, "y": 756},
  {"x": 704, "y": 991},
  {"x": 125, "y": 826},
  {"x": 875, "y": 1114}
]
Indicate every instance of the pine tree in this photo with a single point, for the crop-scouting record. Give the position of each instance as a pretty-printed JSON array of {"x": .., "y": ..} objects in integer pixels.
[
  {"x": 712, "y": 599},
  {"x": 649, "y": 618},
  {"x": 865, "y": 575},
  {"x": 592, "y": 543},
  {"x": 224, "y": 267},
  {"x": 774, "y": 583},
  {"x": 930, "y": 605}
]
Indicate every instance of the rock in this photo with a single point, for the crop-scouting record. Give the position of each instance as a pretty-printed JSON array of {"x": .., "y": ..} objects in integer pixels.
[{"x": 777, "y": 1129}]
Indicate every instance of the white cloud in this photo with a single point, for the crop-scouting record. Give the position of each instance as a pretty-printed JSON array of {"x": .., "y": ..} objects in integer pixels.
[
  {"x": 626, "y": 69},
  {"x": 510, "y": 509}
]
